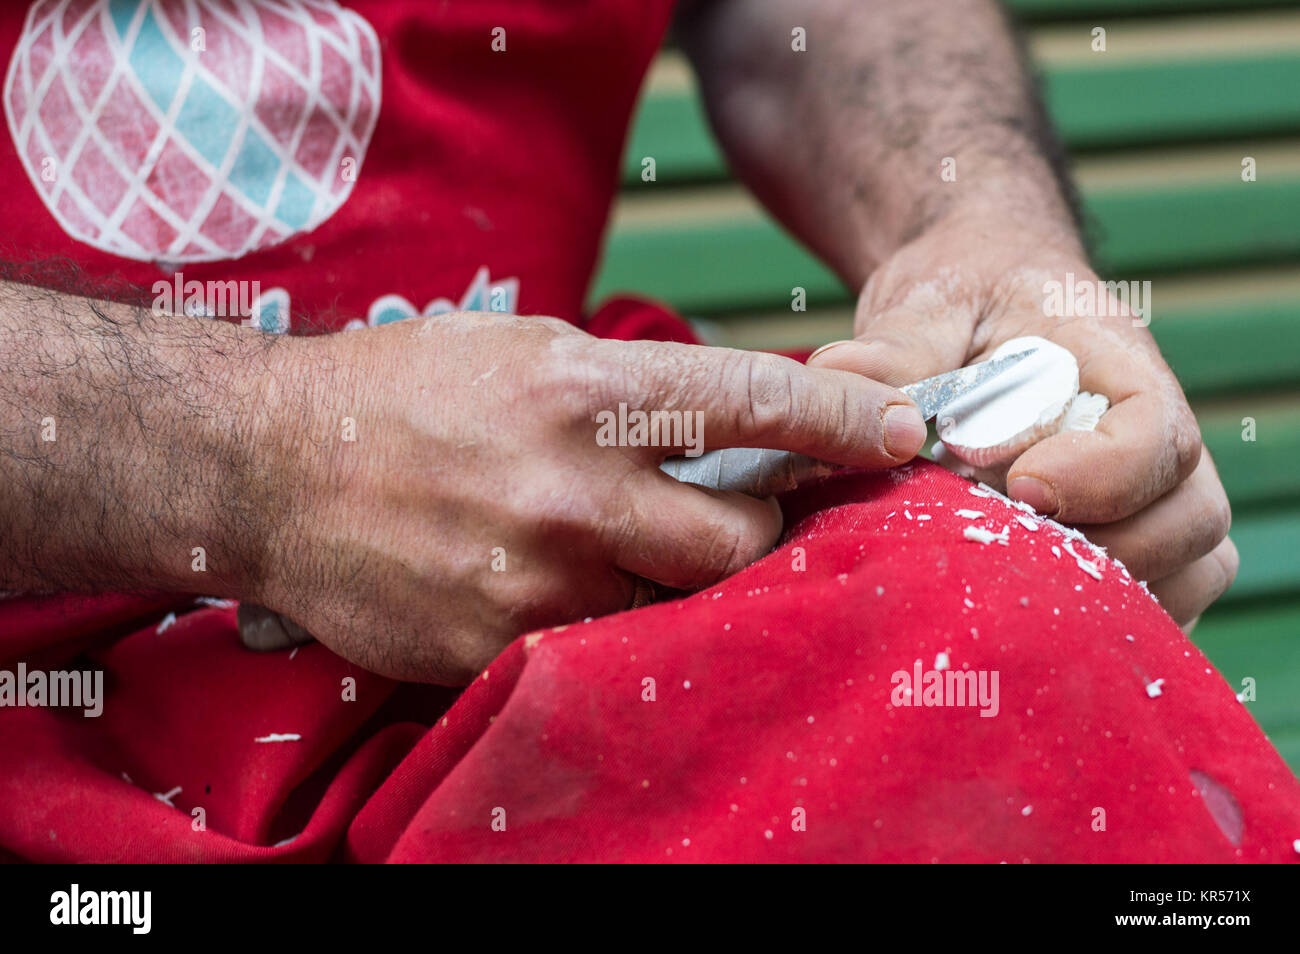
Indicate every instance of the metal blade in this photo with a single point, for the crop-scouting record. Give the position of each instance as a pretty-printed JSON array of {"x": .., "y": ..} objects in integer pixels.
[
  {"x": 932, "y": 394},
  {"x": 760, "y": 472}
]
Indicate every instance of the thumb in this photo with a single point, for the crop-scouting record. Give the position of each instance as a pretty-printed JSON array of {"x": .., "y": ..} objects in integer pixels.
[{"x": 897, "y": 346}]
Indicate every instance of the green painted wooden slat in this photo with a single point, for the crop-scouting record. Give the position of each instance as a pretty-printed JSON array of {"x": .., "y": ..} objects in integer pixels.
[
  {"x": 1267, "y": 544},
  {"x": 1125, "y": 105},
  {"x": 1206, "y": 225},
  {"x": 714, "y": 266},
  {"x": 1104, "y": 105},
  {"x": 1229, "y": 346},
  {"x": 1063, "y": 9},
  {"x": 1262, "y": 642},
  {"x": 1260, "y": 472},
  {"x": 674, "y": 130},
  {"x": 734, "y": 263}
]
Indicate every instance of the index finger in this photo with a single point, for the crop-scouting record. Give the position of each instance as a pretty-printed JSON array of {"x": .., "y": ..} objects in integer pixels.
[
  {"x": 1143, "y": 447},
  {"x": 753, "y": 399}
]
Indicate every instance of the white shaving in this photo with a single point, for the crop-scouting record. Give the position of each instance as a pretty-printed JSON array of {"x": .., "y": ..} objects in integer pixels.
[
  {"x": 215, "y": 602},
  {"x": 1085, "y": 411},
  {"x": 1153, "y": 688},
  {"x": 970, "y": 514},
  {"x": 1087, "y": 566},
  {"x": 280, "y": 737},
  {"x": 980, "y": 535},
  {"x": 1025, "y": 522}
]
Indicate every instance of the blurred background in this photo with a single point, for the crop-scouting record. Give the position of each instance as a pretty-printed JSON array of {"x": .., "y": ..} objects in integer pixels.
[{"x": 1158, "y": 126}]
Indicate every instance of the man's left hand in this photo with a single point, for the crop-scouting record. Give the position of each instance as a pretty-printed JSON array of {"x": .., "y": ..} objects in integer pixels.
[{"x": 1141, "y": 484}]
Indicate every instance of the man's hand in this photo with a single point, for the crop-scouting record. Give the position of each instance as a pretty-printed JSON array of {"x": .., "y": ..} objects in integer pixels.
[
  {"x": 1141, "y": 485},
  {"x": 906, "y": 146},
  {"x": 475, "y": 502},
  {"x": 415, "y": 495}
]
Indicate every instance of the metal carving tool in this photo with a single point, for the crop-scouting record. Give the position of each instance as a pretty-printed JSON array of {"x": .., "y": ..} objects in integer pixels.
[{"x": 761, "y": 472}]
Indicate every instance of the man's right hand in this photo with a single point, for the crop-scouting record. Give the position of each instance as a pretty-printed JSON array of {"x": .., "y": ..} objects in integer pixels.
[{"x": 475, "y": 503}]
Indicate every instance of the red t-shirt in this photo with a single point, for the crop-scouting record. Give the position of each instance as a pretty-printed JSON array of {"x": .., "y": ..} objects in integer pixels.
[{"x": 359, "y": 163}]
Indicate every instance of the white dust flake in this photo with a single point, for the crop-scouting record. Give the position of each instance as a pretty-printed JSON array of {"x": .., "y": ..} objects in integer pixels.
[
  {"x": 1296, "y": 846},
  {"x": 980, "y": 535},
  {"x": 907, "y": 514},
  {"x": 280, "y": 737},
  {"x": 1027, "y": 810},
  {"x": 1153, "y": 688},
  {"x": 1087, "y": 566},
  {"x": 1130, "y": 639},
  {"x": 167, "y": 623},
  {"x": 969, "y": 514},
  {"x": 1056, "y": 552},
  {"x": 215, "y": 602},
  {"x": 1028, "y": 523},
  {"x": 922, "y": 516},
  {"x": 166, "y": 797},
  {"x": 941, "y": 662},
  {"x": 969, "y": 604}
]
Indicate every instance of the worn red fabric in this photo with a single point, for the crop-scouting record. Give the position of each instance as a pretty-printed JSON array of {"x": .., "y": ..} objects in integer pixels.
[
  {"x": 772, "y": 694},
  {"x": 481, "y": 158}
]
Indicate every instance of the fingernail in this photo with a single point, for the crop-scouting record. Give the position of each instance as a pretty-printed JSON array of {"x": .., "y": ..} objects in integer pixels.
[
  {"x": 904, "y": 431},
  {"x": 827, "y": 347},
  {"x": 1037, "y": 493}
]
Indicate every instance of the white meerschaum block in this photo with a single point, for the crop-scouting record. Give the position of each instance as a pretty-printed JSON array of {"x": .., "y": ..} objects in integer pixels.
[{"x": 993, "y": 424}]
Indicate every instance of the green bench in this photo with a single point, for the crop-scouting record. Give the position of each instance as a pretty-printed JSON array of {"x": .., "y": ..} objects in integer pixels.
[{"x": 1158, "y": 126}]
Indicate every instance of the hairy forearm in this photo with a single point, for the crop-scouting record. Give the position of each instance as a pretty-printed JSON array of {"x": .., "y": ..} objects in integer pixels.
[
  {"x": 846, "y": 141},
  {"x": 128, "y": 440}
]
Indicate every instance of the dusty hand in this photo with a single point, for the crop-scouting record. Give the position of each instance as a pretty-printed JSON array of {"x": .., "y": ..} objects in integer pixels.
[
  {"x": 1141, "y": 485},
  {"x": 476, "y": 502}
]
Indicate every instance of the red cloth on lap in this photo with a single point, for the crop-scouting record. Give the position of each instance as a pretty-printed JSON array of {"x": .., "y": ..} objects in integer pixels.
[{"x": 772, "y": 734}]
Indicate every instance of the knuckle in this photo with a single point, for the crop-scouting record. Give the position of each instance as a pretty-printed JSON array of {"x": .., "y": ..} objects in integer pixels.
[
  {"x": 731, "y": 545},
  {"x": 1229, "y": 562},
  {"x": 770, "y": 401},
  {"x": 1219, "y": 516},
  {"x": 1186, "y": 441}
]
